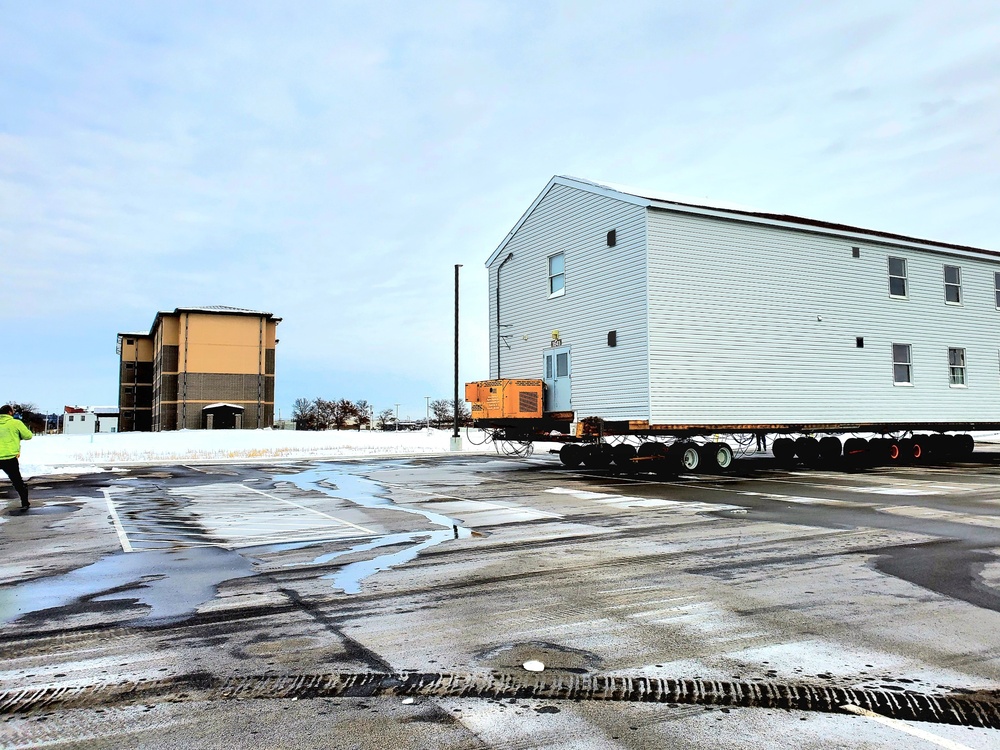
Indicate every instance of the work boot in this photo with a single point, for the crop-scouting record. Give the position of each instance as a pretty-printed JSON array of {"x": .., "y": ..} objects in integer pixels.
[{"x": 24, "y": 503}]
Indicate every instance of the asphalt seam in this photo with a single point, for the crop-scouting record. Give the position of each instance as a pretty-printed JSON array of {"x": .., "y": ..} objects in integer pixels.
[{"x": 982, "y": 710}]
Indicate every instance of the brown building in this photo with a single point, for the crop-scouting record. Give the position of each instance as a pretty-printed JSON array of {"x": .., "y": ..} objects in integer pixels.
[{"x": 198, "y": 368}]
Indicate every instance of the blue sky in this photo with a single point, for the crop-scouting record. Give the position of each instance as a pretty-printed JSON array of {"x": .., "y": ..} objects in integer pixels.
[{"x": 330, "y": 162}]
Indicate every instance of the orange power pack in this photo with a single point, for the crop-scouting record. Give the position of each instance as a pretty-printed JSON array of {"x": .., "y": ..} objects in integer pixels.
[{"x": 505, "y": 399}]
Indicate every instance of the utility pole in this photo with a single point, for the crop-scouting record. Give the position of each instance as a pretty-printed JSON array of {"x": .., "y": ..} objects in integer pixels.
[
  {"x": 456, "y": 440},
  {"x": 427, "y": 414},
  {"x": 397, "y": 417}
]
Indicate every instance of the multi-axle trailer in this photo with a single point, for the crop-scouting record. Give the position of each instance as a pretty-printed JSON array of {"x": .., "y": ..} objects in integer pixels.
[
  {"x": 511, "y": 411},
  {"x": 645, "y": 329}
]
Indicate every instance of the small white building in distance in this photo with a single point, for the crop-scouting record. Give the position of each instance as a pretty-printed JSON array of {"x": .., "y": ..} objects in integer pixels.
[{"x": 86, "y": 420}]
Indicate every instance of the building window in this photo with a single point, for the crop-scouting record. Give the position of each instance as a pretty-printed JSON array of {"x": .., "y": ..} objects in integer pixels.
[
  {"x": 70, "y": 417},
  {"x": 953, "y": 285},
  {"x": 902, "y": 365},
  {"x": 897, "y": 277},
  {"x": 130, "y": 342},
  {"x": 557, "y": 275},
  {"x": 996, "y": 288},
  {"x": 956, "y": 366}
]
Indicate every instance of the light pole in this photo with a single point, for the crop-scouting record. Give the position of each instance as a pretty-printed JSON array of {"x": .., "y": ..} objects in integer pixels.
[
  {"x": 427, "y": 414},
  {"x": 397, "y": 417},
  {"x": 456, "y": 440}
]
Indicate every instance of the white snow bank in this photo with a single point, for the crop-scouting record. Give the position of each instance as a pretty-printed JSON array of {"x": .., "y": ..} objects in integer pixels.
[{"x": 81, "y": 454}]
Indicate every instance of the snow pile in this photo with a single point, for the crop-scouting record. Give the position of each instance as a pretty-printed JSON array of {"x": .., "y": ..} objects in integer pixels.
[{"x": 81, "y": 454}]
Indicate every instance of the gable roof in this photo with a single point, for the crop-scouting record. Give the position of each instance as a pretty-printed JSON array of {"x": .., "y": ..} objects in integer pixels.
[{"x": 674, "y": 202}]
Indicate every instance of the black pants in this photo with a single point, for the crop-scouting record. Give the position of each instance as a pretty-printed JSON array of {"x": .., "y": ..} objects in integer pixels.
[{"x": 12, "y": 469}]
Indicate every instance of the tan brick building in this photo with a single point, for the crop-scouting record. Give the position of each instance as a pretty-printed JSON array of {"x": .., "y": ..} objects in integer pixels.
[{"x": 198, "y": 368}]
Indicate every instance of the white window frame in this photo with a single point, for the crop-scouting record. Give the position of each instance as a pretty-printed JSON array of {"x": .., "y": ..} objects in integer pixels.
[
  {"x": 907, "y": 363},
  {"x": 561, "y": 276},
  {"x": 957, "y": 286},
  {"x": 904, "y": 277},
  {"x": 958, "y": 374}
]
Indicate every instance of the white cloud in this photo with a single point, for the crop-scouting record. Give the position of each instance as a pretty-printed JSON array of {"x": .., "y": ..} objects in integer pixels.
[{"x": 331, "y": 162}]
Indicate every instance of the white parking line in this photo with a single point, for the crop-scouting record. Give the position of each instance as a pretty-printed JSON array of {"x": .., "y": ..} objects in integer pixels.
[
  {"x": 311, "y": 510},
  {"x": 903, "y": 727},
  {"x": 126, "y": 546}
]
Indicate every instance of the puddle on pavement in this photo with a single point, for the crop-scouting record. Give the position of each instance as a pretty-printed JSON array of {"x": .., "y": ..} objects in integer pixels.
[
  {"x": 552, "y": 656},
  {"x": 43, "y": 510},
  {"x": 364, "y": 492},
  {"x": 172, "y": 583}
]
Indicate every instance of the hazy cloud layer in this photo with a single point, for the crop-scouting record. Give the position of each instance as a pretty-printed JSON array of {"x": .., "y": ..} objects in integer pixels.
[{"x": 330, "y": 162}]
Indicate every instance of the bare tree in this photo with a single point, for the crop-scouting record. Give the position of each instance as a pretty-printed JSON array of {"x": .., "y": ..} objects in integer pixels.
[
  {"x": 444, "y": 412},
  {"x": 28, "y": 413},
  {"x": 364, "y": 412},
  {"x": 324, "y": 413},
  {"x": 342, "y": 411},
  {"x": 385, "y": 418},
  {"x": 304, "y": 414}
]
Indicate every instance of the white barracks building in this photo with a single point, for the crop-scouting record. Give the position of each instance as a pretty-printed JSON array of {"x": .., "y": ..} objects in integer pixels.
[{"x": 637, "y": 306}]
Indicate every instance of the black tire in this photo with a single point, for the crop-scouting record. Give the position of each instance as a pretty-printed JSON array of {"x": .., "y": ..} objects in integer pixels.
[
  {"x": 650, "y": 449},
  {"x": 571, "y": 455},
  {"x": 598, "y": 456},
  {"x": 919, "y": 450},
  {"x": 622, "y": 454},
  {"x": 684, "y": 457},
  {"x": 714, "y": 458},
  {"x": 830, "y": 449},
  {"x": 934, "y": 447},
  {"x": 879, "y": 451},
  {"x": 965, "y": 446},
  {"x": 783, "y": 450},
  {"x": 807, "y": 449},
  {"x": 857, "y": 453},
  {"x": 901, "y": 451}
]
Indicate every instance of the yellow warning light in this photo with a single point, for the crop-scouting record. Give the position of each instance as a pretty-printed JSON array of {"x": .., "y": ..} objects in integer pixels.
[{"x": 555, "y": 335}]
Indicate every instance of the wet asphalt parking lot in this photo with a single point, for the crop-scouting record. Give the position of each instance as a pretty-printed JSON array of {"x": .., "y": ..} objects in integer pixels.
[{"x": 393, "y": 602}]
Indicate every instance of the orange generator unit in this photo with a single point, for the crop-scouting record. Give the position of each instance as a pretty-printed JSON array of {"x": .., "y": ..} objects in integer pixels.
[{"x": 505, "y": 399}]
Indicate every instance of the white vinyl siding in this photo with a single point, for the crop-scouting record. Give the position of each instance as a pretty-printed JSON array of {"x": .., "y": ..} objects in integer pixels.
[
  {"x": 757, "y": 324},
  {"x": 605, "y": 291}
]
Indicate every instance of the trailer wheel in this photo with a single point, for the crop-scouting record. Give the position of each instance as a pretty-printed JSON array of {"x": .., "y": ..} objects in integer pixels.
[
  {"x": 880, "y": 451},
  {"x": 652, "y": 448},
  {"x": 857, "y": 452},
  {"x": 965, "y": 445},
  {"x": 657, "y": 452},
  {"x": 622, "y": 455},
  {"x": 714, "y": 457},
  {"x": 571, "y": 455},
  {"x": 918, "y": 448},
  {"x": 783, "y": 450},
  {"x": 902, "y": 451},
  {"x": 807, "y": 448},
  {"x": 830, "y": 449},
  {"x": 936, "y": 447},
  {"x": 598, "y": 456},
  {"x": 686, "y": 456}
]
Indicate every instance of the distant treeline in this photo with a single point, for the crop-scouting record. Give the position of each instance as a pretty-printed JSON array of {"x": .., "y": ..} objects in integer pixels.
[{"x": 339, "y": 414}]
